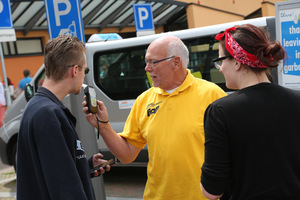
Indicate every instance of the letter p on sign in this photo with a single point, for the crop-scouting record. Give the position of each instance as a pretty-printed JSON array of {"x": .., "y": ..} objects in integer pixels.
[
  {"x": 143, "y": 17},
  {"x": 66, "y": 9}
]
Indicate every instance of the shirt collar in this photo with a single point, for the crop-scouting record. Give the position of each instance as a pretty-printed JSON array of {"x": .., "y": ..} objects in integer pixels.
[
  {"x": 45, "y": 92},
  {"x": 189, "y": 79}
]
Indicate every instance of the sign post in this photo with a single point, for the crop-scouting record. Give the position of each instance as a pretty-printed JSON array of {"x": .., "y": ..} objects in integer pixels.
[
  {"x": 143, "y": 19},
  {"x": 7, "y": 33},
  {"x": 64, "y": 18},
  {"x": 287, "y": 32}
]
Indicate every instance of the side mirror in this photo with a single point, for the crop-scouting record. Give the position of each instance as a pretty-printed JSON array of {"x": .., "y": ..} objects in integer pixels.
[{"x": 28, "y": 91}]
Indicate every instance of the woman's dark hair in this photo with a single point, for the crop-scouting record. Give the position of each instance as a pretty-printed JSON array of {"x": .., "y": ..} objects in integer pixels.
[{"x": 256, "y": 41}]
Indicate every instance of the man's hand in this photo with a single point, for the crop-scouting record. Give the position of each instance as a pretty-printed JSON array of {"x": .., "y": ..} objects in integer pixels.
[
  {"x": 97, "y": 160},
  {"x": 101, "y": 113}
]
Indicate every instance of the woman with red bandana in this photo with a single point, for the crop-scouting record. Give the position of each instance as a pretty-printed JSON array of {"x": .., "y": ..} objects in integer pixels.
[{"x": 252, "y": 136}]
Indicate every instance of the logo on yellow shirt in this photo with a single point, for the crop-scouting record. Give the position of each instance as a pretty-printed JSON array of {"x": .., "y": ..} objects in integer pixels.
[{"x": 152, "y": 111}]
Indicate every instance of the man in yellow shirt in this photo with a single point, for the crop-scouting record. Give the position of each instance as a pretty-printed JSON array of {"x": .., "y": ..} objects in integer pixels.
[{"x": 169, "y": 119}]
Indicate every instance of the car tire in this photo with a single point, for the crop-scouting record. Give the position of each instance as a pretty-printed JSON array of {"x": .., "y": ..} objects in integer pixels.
[{"x": 14, "y": 156}]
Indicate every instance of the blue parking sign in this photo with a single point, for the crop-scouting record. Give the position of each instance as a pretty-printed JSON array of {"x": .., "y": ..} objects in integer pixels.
[
  {"x": 143, "y": 17},
  {"x": 5, "y": 15},
  {"x": 64, "y": 18}
]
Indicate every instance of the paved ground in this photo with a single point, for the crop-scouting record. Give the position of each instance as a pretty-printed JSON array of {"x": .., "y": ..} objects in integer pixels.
[
  {"x": 121, "y": 183},
  {"x": 125, "y": 182},
  {"x": 7, "y": 184}
]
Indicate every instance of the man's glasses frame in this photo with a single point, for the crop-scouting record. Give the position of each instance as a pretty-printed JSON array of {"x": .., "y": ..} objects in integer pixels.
[
  {"x": 157, "y": 61},
  {"x": 218, "y": 61},
  {"x": 86, "y": 69}
]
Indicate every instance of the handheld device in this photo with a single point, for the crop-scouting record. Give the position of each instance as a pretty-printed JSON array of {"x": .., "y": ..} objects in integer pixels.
[
  {"x": 103, "y": 165},
  {"x": 91, "y": 100}
]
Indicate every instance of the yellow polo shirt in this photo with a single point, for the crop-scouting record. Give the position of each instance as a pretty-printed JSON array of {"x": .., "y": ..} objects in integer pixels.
[{"x": 172, "y": 127}]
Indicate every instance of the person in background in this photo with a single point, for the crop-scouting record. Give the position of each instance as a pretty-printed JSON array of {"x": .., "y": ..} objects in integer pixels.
[
  {"x": 169, "y": 119},
  {"x": 25, "y": 80},
  {"x": 104, "y": 70},
  {"x": 252, "y": 140},
  {"x": 11, "y": 89},
  {"x": 51, "y": 162},
  {"x": 2, "y": 103}
]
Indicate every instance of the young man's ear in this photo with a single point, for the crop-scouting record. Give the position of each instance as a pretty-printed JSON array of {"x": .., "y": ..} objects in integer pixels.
[
  {"x": 237, "y": 65},
  {"x": 73, "y": 71}
]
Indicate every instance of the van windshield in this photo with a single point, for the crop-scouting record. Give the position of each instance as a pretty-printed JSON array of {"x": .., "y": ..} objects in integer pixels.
[{"x": 121, "y": 74}]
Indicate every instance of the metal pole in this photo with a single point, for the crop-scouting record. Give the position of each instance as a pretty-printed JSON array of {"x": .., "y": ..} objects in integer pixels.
[
  {"x": 6, "y": 90},
  {"x": 87, "y": 136}
]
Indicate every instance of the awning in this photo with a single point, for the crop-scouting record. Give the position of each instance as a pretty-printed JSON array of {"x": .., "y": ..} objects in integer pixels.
[{"x": 30, "y": 15}]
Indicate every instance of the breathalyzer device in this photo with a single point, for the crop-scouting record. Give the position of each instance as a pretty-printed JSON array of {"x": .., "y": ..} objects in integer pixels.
[{"x": 91, "y": 100}]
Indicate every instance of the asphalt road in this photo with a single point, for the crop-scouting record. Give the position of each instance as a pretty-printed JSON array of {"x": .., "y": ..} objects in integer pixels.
[
  {"x": 125, "y": 182},
  {"x": 121, "y": 183}
]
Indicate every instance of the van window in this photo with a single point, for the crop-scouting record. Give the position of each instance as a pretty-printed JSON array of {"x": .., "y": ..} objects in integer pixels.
[{"x": 121, "y": 75}]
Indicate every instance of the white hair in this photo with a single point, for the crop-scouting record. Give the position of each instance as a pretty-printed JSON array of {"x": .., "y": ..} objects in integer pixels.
[{"x": 178, "y": 48}]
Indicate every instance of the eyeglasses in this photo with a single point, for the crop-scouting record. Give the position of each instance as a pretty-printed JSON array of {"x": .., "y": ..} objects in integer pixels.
[
  {"x": 158, "y": 61},
  {"x": 218, "y": 61},
  {"x": 86, "y": 69}
]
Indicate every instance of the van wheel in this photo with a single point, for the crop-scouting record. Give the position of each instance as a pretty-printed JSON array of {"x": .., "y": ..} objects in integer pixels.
[{"x": 14, "y": 156}]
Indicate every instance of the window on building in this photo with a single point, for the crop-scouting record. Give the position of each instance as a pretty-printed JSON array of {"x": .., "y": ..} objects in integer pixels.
[{"x": 22, "y": 47}]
